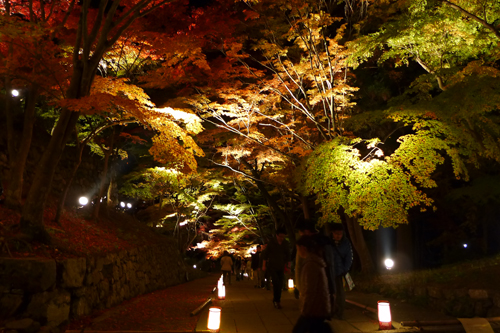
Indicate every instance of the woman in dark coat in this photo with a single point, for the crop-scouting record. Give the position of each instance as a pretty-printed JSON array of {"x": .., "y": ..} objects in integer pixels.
[{"x": 314, "y": 292}]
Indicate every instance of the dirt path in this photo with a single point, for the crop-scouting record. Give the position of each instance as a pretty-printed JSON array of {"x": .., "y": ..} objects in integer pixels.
[{"x": 162, "y": 310}]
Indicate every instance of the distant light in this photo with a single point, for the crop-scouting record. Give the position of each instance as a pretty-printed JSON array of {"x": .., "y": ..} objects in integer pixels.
[
  {"x": 15, "y": 93},
  {"x": 122, "y": 204},
  {"x": 290, "y": 283},
  {"x": 129, "y": 205},
  {"x": 194, "y": 266},
  {"x": 183, "y": 223},
  {"x": 83, "y": 201},
  {"x": 465, "y": 245},
  {"x": 389, "y": 263}
]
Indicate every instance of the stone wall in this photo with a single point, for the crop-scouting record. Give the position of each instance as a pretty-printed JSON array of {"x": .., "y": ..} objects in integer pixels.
[
  {"x": 460, "y": 303},
  {"x": 45, "y": 292}
]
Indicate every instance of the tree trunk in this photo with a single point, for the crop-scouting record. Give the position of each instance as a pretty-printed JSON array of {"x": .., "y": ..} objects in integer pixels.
[
  {"x": 110, "y": 202},
  {"x": 32, "y": 213},
  {"x": 18, "y": 157},
  {"x": 104, "y": 177},
  {"x": 62, "y": 200},
  {"x": 305, "y": 207},
  {"x": 271, "y": 202},
  {"x": 359, "y": 244}
]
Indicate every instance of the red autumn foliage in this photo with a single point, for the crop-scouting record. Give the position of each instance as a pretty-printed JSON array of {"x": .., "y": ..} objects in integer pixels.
[
  {"x": 167, "y": 309},
  {"x": 163, "y": 310},
  {"x": 75, "y": 236}
]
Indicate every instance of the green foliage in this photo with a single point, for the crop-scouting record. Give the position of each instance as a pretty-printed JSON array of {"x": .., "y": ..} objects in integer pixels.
[
  {"x": 237, "y": 225},
  {"x": 380, "y": 192}
]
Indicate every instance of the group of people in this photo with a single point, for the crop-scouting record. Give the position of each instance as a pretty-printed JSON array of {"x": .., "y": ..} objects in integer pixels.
[
  {"x": 321, "y": 262},
  {"x": 320, "y": 266},
  {"x": 240, "y": 267}
]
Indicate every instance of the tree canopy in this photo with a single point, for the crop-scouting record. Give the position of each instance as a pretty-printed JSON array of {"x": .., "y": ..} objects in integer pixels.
[{"x": 275, "y": 112}]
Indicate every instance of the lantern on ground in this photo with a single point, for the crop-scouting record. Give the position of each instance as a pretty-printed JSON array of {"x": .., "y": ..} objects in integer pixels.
[
  {"x": 290, "y": 283},
  {"x": 214, "y": 319},
  {"x": 384, "y": 315},
  {"x": 222, "y": 292}
]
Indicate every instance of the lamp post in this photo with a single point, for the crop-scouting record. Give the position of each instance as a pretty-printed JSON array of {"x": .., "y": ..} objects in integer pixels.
[
  {"x": 384, "y": 315},
  {"x": 214, "y": 314}
]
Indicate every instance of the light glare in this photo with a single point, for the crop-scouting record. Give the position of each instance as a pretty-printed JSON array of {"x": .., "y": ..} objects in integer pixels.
[
  {"x": 83, "y": 201},
  {"x": 389, "y": 263},
  {"x": 15, "y": 93},
  {"x": 122, "y": 204}
]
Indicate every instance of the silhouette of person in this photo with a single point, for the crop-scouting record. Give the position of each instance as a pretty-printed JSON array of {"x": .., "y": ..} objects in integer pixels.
[
  {"x": 276, "y": 259},
  {"x": 314, "y": 296}
]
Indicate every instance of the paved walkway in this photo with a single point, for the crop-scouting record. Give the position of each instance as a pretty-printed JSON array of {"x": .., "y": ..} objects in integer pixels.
[
  {"x": 245, "y": 310},
  {"x": 250, "y": 310}
]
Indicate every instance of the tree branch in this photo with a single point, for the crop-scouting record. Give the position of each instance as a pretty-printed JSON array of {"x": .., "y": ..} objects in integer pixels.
[{"x": 472, "y": 16}]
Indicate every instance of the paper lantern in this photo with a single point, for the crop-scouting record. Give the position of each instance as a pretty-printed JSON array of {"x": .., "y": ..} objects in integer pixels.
[
  {"x": 222, "y": 292},
  {"x": 290, "y": 283},
  {"x": 384, "y": 315},
  {"x": 214, "y": 319}
]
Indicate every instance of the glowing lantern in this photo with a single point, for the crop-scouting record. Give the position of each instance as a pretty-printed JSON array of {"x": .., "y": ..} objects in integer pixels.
[
  {"x": 384, "y": 315},
  {"x": 220, "y": 284},
  {"x": 214, "y": 319},
  {"x": 222, "y": 292},
  {"x": 290, "y": 283}
]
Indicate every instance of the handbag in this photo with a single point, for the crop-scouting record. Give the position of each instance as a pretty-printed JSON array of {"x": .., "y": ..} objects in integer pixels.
[
  {"x": 347, "y": 277},
  {"x": 349, "y": 281}
]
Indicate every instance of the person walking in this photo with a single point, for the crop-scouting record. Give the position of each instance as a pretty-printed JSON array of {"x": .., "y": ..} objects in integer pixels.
[
  {"x": 226, "y": 266},
  {"x": 237, "y": 268},
  {"x": 325, "y": 251},
  {"x": 248, "y": 267},
  {"x": 256, "y": 267},
  {"x": 343, "y": 260},
  {"x": 266, "y": 279},
  {"x": 276, "y": 259},
  {"x": 314, "y": 297}
]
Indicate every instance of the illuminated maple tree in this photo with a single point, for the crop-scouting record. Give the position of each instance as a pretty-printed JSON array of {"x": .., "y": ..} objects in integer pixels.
[{"x": 82, "y": 35}]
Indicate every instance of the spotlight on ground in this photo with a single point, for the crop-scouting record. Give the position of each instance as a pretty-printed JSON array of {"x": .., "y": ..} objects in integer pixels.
[
  {"x": 389, "y": 263},
  {"x": 83, "y": 201}
]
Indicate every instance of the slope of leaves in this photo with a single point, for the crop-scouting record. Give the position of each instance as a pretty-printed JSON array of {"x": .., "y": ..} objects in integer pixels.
[{"x": 76, "y": 236}]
